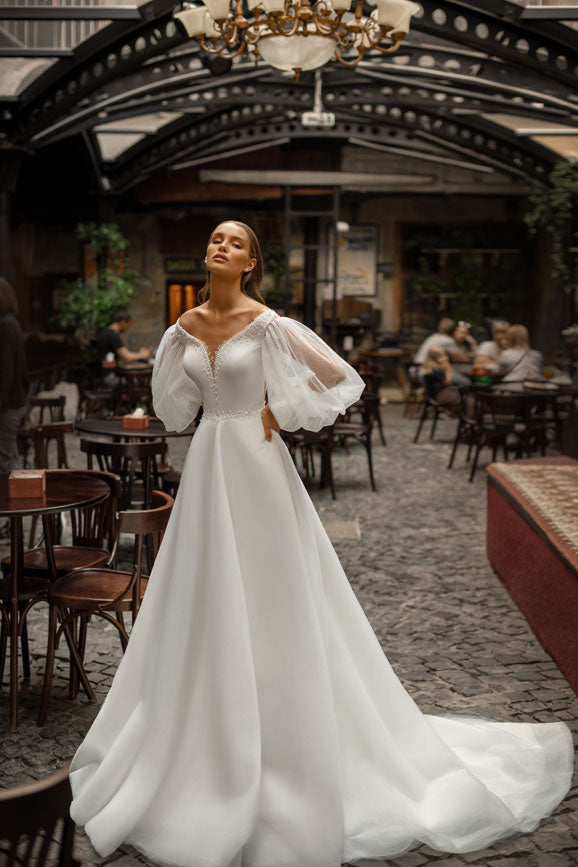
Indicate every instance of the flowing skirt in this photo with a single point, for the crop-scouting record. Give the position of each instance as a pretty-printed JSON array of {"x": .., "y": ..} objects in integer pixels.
[{"x": 254, "y": 720}]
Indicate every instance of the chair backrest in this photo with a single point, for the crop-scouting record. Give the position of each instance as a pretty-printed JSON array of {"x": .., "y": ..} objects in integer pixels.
[
  {"x": 42, "y": 435},
  {"x": 502, "y": 411},
  {"x": 92, "y": 525},
  {"x": 145, "y": 525},
  {"x": 121, "y": 459},
  {"x": 370, "y": 409},
  {"x": 29, "y": 818},
  {"x": 51, "y": 407}
]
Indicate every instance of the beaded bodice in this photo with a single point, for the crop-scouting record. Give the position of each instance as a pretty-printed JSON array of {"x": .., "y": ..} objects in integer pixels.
[{"x": 230, "y": 377}]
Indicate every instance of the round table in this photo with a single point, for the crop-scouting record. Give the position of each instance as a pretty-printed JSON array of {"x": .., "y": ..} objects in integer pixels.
[
  {"x": 65, "y": 490},
  {"x": 112, "y": 427}
]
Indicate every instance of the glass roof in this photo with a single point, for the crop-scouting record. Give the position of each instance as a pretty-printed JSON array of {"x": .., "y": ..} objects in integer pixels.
[
  {"x": 59, "y": 34},
  {"x": 457, "y": 67}
]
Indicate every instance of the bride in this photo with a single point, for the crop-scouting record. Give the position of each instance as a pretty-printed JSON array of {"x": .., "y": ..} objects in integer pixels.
[{"x": 254, "y": 720}]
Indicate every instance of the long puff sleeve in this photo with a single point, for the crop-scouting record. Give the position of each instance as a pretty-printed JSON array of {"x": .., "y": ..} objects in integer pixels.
[
  {"x": 308, "y": 384},
  {"x": 176, "y": 398}
]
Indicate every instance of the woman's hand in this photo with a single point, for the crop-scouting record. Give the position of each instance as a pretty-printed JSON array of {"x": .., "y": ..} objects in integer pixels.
[{"x": 269, "y": 423}]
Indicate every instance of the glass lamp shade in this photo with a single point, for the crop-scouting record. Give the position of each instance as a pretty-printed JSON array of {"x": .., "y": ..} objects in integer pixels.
[
  {"x": 396, "y": 14},
  {"x": 218, "y": 9},
  {"x": 211, "y": 29},
  {"x": 193, "y": 20},
  {"x": 297, "y": 52}
]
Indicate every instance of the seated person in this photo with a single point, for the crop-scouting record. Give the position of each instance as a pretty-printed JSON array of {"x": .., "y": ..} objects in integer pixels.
[
  {"x": 443, "y": 337},
  {"x": 437, "y": 376},
  {"x": 519, "y": 361},
  {"x": 109, "y": 340},
  {"x": 465, "y": 341},
  {"x": 489, "y": 352}
]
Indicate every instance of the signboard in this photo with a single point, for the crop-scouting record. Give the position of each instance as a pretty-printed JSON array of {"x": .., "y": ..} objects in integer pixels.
[
  {"x": 184, "y": 265},
  {"x": 357, "y": 261}
]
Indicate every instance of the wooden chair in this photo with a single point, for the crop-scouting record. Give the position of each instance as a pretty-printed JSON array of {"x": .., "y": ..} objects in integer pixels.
[
  {"x": 306, "y": 442},
  {"x": 106, "y": 593},
  {"x": 133, "y": 389},
  {"x": 498, "y": 417},
  {"x": 40, "y": 438},
  {"x": 29, "y": 818},
  {"x": 52, "y": 407},
  {"x": 130, "y": 461},
  {"x": 361, "y": 431}
]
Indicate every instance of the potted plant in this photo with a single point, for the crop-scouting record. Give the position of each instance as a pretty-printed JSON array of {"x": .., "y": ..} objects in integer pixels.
[{"x": 90, "y": 303}]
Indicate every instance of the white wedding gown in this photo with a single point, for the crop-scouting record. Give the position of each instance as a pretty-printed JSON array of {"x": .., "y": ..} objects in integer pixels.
[{"x": 254, "y": 720}]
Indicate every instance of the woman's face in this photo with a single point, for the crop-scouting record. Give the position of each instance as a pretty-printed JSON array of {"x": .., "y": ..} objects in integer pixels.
[
  {"x": 460, "y": 333},
  {"x": 228, "y": 251}
]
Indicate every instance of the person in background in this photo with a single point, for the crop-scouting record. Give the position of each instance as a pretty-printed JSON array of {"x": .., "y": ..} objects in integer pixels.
[
  {"x": 443, "y": 337},
  {"x": 519, "y": 361},
  {"x": 109, "y": 340},
  {"x": 14, "y": 383},
  {"x": 465, "y": 341},
  {"x": 437, "y": 376},
  {"x": 489, "y": 352}
]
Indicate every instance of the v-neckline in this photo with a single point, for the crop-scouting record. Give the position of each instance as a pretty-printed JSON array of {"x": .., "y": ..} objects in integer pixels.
[{"x": 212, "y": 354}]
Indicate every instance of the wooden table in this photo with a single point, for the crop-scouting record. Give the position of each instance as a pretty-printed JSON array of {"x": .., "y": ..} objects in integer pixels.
[
  {"x": 112, "y": 427},
  {"x": 65, "y": 490}
]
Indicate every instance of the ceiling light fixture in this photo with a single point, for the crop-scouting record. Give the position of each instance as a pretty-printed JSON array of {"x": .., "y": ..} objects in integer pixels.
[{"x": 297, "y": 35}]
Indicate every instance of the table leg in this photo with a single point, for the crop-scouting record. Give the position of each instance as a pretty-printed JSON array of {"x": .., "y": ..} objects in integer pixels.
[{"x": 16, "y": 558}]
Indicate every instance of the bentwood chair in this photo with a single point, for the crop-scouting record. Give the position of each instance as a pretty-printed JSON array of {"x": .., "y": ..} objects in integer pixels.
[
  {"x": 35, "y": 824},
  {"x": 361, "y": 431},
  {"x": 131, "y": 461},
  {"x": 102, "y": 592}
]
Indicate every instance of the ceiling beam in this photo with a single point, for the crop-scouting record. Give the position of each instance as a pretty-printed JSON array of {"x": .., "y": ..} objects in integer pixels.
[
  {"x": 35, "y": 52},
  {"x": 69, "y": 13},
  {"x": 550, "y": 13}
]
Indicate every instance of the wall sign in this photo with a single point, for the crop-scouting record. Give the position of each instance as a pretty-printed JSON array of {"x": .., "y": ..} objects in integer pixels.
[
  {"x": 357, "y": 261},
  {"x": 184, "y": 265}
]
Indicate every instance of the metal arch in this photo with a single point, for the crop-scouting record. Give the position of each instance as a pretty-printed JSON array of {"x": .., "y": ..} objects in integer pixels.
[
  {"x": 505, "y": 35},
  {"x": 149, "y": 90},
  {"x": 113, "y": 51},
  {"x": 502, "y": 150}
]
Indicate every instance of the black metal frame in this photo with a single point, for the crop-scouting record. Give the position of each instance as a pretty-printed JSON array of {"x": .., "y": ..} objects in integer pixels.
[{"x": 460, "y": 61}]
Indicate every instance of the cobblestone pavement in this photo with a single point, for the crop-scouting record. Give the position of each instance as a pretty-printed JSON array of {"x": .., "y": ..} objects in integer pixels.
[{"x": 447, "y": 624}]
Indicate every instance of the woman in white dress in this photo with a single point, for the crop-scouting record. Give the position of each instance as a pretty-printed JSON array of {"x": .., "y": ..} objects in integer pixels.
[{"x": 254, "y": 720}]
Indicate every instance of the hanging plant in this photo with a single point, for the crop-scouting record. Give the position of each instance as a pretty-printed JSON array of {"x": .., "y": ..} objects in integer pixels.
[{"x": 554, "y": 208}]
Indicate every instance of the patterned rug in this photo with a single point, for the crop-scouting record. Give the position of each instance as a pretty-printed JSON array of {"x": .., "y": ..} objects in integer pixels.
[{"x": 552, "y": 491}]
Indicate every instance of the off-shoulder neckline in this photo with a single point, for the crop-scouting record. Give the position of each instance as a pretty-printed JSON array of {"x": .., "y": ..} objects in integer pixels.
[{"x": 212, "y": 353}]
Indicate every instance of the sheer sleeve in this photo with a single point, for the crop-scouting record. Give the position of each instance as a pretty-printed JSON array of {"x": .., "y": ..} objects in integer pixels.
[
  {"x": 308, "y": 384},
  {"x": 176, "y": 398}
]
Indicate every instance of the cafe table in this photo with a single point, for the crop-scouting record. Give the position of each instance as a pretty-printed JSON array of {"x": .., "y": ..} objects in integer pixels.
[
  {"x": 65, "y": 490},
  {"x": 112, "y": 427}
]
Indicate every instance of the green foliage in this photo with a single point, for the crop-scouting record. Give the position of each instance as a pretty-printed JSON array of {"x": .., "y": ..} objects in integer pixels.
[
  {"x": 90, "y": 305},
  {"x": 554, "y": 208},
  {"x": 274, "y": 261},
  {"x": 467, "y": 272}
]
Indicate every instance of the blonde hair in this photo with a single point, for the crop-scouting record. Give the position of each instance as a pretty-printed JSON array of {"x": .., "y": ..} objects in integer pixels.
[
  {"x": 250, "y": 281},
  {"x": 433, "y": 359},
  {"x": 518, "y": 338},
  {"x": 500, "y": 326},
  {"x": 8, "y": 302}
]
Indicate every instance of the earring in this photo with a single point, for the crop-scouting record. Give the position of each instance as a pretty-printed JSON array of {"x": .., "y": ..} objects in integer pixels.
[{"x": 205, "y": 260}]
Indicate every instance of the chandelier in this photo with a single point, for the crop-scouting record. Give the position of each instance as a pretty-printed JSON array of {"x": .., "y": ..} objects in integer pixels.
[{"x": 297, "y": 34}]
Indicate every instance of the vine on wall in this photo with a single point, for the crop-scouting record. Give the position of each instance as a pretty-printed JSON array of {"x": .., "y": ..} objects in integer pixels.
[{"x": 554, "y": 208}]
